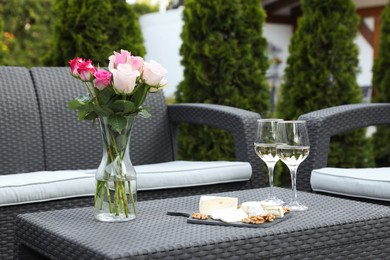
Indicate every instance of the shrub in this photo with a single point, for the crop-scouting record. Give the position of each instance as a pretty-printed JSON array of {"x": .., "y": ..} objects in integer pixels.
[
  {"x": 2, "y": 45},
  {"x": 26, "y": 23},
  {"x": 381, "y": 82},
  {"x": 93, "y": 29},
  {"x": 321, "y": 72},
  {"x": 224, "y": 59}
]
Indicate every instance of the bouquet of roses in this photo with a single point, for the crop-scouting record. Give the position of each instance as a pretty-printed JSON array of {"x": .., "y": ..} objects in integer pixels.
[
  {"x": 118, "y": 91},
  {"x": 115, "y": 96}
]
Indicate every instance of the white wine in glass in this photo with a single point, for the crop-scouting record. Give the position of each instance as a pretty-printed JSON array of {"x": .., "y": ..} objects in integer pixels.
[
  {"x": 292, "y": 147},
  {"x": 265, "y": 148}
]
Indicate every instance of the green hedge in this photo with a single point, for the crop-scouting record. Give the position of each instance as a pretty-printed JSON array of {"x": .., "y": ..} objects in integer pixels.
[
  {"x": 93, "y": 29},
  {"x": 224, "y": 59},
  {"x": 27, "y": 22},
  {"x": 321, "y": 72},
  {"x": 381, "y": 83},
  {"x": 2, "y": 44}
]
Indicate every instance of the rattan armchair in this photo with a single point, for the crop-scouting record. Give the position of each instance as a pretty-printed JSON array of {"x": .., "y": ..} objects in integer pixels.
[{"x": 325, "y": 123}]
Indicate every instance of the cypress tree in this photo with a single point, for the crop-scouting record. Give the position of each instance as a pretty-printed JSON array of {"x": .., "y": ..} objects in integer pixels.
[
  {"x": 123, "y": 28},
  {"x": 321, "y": 72},
  {"x": 223, "y": 54},
  {"x": 27, "y": 22},
  {"x": 2, "y": 45},
  {"x": 381, "y": 82},
  {"x": 93, "y": 29}
]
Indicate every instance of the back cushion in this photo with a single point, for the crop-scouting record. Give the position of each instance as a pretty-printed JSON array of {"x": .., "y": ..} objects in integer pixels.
[
  {"x": 21, "y": 146},
  {"x": 70, "y": 144}
]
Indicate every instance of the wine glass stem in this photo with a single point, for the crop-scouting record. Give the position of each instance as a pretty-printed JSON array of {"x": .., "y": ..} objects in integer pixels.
[
  {"x": 293, "y": 172},
  {"x": 271, "y": 180}
]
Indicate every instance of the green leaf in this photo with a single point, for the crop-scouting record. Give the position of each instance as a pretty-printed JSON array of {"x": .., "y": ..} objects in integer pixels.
[
  {"x": 79, "y": 102},
  {"x": 103, "y": 110},
  {"x": 121, "y": 142},
  {"x": 124, "y": 106},
  {"x": 144, "y": 113},
  {"x": 105, "y": 95},
  {"x": 74, "y": 104},
  {"x": 88, "y": 107},
  {"x": 90, "y": 116},
  {"x": 82, "y": 114},
  {"x": 140, "y": 94},
  {"x": 118, "y": 123}
]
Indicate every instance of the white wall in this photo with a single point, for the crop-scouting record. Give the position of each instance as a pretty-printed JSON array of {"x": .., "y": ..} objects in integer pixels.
[
  {"x": 279, "y": 35},
  {"x": 161, "y": 32},
  {"x": 366, "y": 56}
]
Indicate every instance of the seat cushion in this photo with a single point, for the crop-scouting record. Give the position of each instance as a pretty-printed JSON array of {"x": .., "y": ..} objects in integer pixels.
[
  {"x": 45, "y": 185},
  {"x": 179, "y": 174},
  {"x": 370, "y": 183},
  {"x": 51, "y": 185}
]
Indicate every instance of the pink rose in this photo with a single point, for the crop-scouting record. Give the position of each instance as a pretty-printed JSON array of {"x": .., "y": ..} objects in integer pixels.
[
  {"x": 154, "y": 74},
  {"x": 137, "y": 63},
  {"x": 74, "y": 65},
  {"x": 118, "y": 58},
  {"x": 102, "y": 79},
  {"x": 85, "y": 69},
  {"x": 124, "y": 78}
]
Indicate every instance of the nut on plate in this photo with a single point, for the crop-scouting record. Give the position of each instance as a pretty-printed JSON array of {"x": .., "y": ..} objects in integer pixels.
[
  {"x": 199, "y": 216},
  {"x": 259, "y": 219}
]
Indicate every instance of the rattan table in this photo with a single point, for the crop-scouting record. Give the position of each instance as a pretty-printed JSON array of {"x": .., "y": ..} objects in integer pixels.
[{"x": 332, "y": 228}]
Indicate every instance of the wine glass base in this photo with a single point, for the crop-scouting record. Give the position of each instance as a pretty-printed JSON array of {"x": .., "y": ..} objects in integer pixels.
[
  {"x": 296, "y": 206},
  {"x": 274, "y": 200}
]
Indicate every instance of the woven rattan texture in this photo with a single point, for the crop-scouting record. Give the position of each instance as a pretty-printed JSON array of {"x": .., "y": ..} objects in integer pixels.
[
  {"x": 68, "y": 144},
  {"x": 241, "y": 123},
  {"x": 8, "y": 216},
  {"x": 151, "y": 139},
  {"x": 331, "y": 227},
  {"x": 21, "y": 138},
  {"x": 72, "y": 145},
  {"x": 325, "y": 123}
]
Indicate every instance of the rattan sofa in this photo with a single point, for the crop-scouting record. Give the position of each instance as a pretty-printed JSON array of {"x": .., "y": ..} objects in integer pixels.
[
  {"x": 39, "y": 133},
  {"x": 325, "y": 123}
]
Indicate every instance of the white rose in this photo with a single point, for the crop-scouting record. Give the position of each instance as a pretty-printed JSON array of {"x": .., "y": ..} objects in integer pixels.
[
  {"x": 154, "y": 74},
  {"x": 124, "y": 78}
]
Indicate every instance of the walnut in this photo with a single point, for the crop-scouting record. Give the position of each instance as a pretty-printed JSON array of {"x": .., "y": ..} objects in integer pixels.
[
  {"x": 254, "y": 220},
  {"x": 246, "y": 220},
  {"x": 199, "y": 216},
  {"x": 269, "y": 217},
  {"x": 259, "y": 219}
]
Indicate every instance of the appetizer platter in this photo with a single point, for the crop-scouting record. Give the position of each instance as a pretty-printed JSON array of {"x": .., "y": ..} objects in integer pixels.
[{"x": 225, "y": 211}]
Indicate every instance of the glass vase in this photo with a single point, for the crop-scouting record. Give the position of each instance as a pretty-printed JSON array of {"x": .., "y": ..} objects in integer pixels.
[{"x": 116, "y": 179}]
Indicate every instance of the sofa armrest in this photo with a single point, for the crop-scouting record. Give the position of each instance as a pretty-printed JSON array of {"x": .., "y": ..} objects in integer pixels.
[
  {"x": 325, "y": 123},
  {"x": 241, "y": 123}
]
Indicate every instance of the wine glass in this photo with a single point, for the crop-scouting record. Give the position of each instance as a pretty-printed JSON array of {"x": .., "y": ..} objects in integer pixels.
[
  {"x": 292, "y": 147},
  {"x": 265, "y": 148}
]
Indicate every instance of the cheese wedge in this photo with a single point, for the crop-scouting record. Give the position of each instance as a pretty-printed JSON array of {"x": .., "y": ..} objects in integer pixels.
[
  {"x": 208, "y": 204},
  {"x": 229, "y": 215},
  {"x": 253, "y": 208},
  {"x": 234, "y": 216},
  {"x": 273, "y": 209}
]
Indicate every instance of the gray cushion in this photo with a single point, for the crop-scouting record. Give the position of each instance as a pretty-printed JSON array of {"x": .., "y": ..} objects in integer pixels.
[
  {"x": 179, "y": 174},
  {"x": 370, "y": 183},
  {"x": 51, "y": 185}
]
